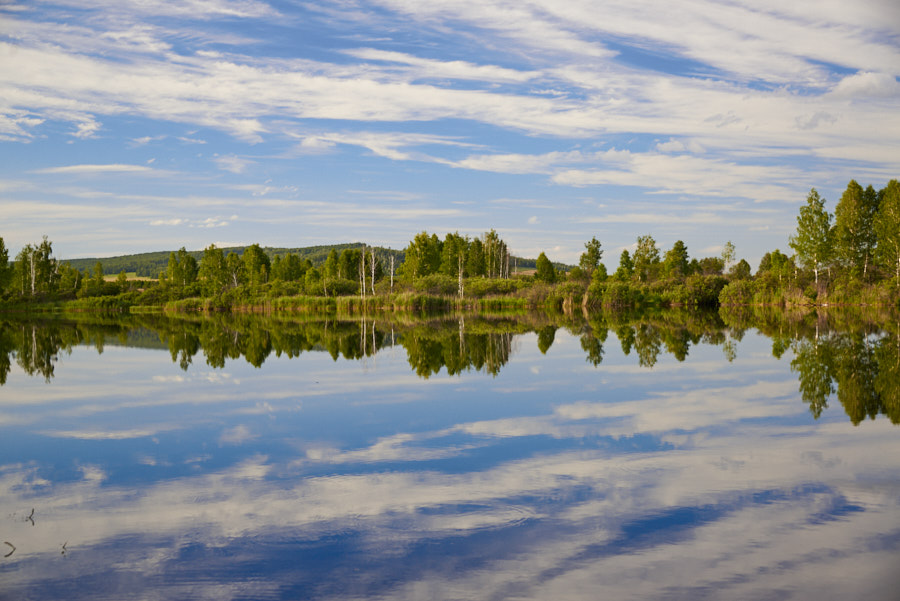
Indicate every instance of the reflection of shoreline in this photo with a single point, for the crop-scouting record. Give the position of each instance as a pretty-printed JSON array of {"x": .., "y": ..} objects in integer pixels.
[{"x": 837, "y": 352}]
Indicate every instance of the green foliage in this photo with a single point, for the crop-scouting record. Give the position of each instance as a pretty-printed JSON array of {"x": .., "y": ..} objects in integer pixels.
[
  {"x": 738, "y": 292},
  {"x": 728, "y": 254},
  {"x": 710, "y": 266},
  {"x": 181, "y": 269},
  {"x": 646, "y": 259},
  {"x": 676, "y": 263},
  {"x": 591, "y": 256},
  {"x": 621, "y": 294},
  {"x": 436, "y": 283},
  {"x": 479, "y": 287},
  {"x": 213, "y": 271},
  {"x": 813, "y": 240},
  {"x": 887, "y": 228},
  {"x": 696, "y": 291},
  {"x": 5, "y": 269},
  {"x": 341, "y": 286},
  {"x": 256, "y": 265},
  {"x": 626, "y": 267},
  {"x": 545, "y": 271},
  {"x": 739, "y": 271},
  {"x": 854, "y": 234},
  {"x": 568, "y": 293},
  {"x": 34, "y": 272}
]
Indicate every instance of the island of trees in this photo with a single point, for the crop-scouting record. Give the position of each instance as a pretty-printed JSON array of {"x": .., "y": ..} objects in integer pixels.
[{"x": 849, "y": 257}]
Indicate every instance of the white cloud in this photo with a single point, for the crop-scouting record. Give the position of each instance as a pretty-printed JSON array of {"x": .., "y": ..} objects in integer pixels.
[
  {"x": 865, "y": 84},
  {"x": 144, "y": 140},
  {"x": 87, "y": 129},
  {"x": 437, "y": 69},
  {"x": 236, "y": 435},
  {"x": 95, "y": 169},
  {"x": 194, "y": 9},
  {"x": 233, "y": 163}
]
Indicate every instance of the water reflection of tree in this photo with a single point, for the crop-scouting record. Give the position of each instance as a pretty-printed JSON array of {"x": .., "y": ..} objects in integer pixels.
[
  {"x": 461, "y": 346},
  {"x": 851, "y": 354},
  {"x": 864, "y": 371}
]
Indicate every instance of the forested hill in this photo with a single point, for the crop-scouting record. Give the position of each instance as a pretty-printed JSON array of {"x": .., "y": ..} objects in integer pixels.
[{"x": 149, "y": 265}]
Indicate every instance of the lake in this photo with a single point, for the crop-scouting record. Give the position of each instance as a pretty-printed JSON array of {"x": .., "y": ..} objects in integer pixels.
[{"x": 670, "y": 455}]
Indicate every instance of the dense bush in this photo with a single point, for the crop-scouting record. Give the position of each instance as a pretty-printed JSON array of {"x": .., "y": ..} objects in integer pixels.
[
  {"x": 437, "y": 283},
  {"x": 621, "y": 294},
  {"x": 479, "y": 287},
  {"x": 738, "y": 292}
]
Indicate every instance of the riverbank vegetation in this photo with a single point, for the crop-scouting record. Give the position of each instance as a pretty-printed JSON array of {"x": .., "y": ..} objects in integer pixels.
[{"x": 849, "y": 257}]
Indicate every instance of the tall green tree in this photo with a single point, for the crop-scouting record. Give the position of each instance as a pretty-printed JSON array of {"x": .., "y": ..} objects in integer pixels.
[
  {"x": 591, "y": 256},
  {"x": 728, "y": 254},
  {"x": 234, "y": 267},
  {"x": 422, "y": 256},
  {"x": 331, "y": 267},
  {"x": 493, "y": 252},
  {"x": 813, "y": 239},
  {"x": 453, "y": 258},
  {"x": 289, "y": 269},
  {"x": 213, "y": 271},
  {"x": 711, "y": 266},
  {"x": 69, "y": 279},
  {"x": 854, "y": 236},
  {"x": 740, "y": 270},
  {"x": 676, "y": 264},
  {"x": 182, "y": 269},
  {"x": 887, "y": 228},
  {"x": 453, "y": 254},
  {"x": 626, "y": 267},
  {"x": 349, "y": 264},
  {"x": 35, "y": 269},
  {"x": 545, "y": 271},
  {"x": 776, "y": 263},
  {"x": 646, "y": 259},
  {"x": 5, "y": 270},
  {"x": 256, "y": 265},
  {"x": 475, "y": 258}
]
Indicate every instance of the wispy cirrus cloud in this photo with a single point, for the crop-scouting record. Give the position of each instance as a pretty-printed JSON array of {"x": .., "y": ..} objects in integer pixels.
[
  {"x": 94, "y": 169},
  {"x": 752, "y": 100}
]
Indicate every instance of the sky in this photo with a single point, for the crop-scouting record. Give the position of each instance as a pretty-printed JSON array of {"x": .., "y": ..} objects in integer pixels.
[{"x": 133, "y": 126}]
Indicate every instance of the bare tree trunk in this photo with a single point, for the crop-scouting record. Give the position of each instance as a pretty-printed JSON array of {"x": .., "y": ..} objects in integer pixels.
[
  {"x": 32, "y": 274},
  {"x": 392, "y": 274},
  {"x": 362, "y": 272}
]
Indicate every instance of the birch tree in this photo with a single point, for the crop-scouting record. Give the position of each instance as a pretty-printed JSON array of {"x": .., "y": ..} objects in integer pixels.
[
  {"x": 854, "y": 236},
  {"x": 813, "y": 240},
  {"x": 887, "y": 228}
]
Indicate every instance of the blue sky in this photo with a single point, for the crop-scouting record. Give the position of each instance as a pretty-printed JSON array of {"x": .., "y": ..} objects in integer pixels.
[{"x": 141, "y": 125}]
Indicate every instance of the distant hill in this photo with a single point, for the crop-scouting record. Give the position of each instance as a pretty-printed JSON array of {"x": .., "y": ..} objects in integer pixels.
[{"x": 151, "y": 264}]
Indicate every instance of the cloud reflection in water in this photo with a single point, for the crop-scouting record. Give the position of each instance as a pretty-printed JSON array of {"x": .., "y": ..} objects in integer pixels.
[{"x": 655, "y": 490}]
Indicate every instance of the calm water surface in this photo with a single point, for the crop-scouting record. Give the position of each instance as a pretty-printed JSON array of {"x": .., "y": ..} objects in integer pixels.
[{"x": 457, "y": 458}]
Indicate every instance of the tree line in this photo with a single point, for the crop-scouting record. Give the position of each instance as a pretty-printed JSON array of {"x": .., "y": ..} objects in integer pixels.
[{"x": 852, "y": 255}]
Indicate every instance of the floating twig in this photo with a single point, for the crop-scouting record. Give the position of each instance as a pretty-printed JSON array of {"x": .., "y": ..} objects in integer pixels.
[
  {"x": 13, "y": 548},
  {"x": 30, "y": 518}
]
